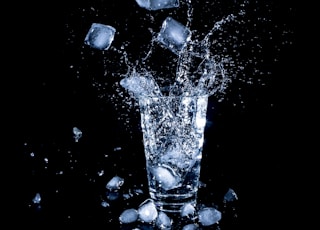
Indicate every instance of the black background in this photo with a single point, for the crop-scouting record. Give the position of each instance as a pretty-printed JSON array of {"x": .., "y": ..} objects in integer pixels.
[{"x": 245, "y": 148}]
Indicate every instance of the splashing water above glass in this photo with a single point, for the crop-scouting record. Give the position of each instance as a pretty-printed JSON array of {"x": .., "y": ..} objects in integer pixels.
[
  {"x": 232, "y": 42},
  {"x": 199, "y": 71},
  {"x": 231, "y": 50}
]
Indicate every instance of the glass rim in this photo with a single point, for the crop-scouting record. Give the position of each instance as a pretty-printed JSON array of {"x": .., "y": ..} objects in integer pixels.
[{"x": 173, "y": 96}]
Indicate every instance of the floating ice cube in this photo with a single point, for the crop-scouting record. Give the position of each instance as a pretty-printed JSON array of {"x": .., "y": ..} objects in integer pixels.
[
  {"x": 147, "y": 211},
  {"x": 158, "y": 4},
  {"x": 209, "y": 216},
  {"x": 128, "y": 216},
  {"x": 100, "y": 36},
  {"x": 115, "y": 183},
  {"x": 165, "y": 177},
  {"x": 163, "y": 221},
  {"x": 173, "y": 35}
]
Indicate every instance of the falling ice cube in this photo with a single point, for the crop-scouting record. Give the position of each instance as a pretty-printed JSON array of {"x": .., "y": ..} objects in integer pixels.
[
  {"x": 147, "y": 211},
  {"x": 158, "y": 4},
  {"x": 100, "y": 36},
  {"x": 173, "y": 35},
  {"x": 209, "y": 216}
]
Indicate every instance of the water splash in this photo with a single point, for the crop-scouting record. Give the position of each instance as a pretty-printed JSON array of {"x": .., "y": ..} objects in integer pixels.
[
  {"x": 199, "y": 71},
  {"x": 233, "y": 43}
]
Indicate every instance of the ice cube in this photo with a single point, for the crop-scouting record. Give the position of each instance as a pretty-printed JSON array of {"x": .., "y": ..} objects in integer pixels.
[
  {"x": 176, "y": 157},
  {"x": 115, "y": 183},
  {"x": 187, "y": 210},
  {"x": 112, "y": 195},
  {"x": 77, "y": 134},
  {"x": 105, "y": 204},
  {"x": 128, "y": 216},
  {"x": 37, "y": 198},
  {"x": 100, "y": 36},
  {"x": 209, "y": 216},
  {"x": 147, "y": 211},
  {"x": 190, "y": 227},
  {"x": 158, "y": 4},
  {"x": 166, "y": 177},
  {"x": 140, "y": 85},
  {"x": 163, "y": 221},
  {"x": 230, "y": 195},
  {"x": 173, "y": 35}
]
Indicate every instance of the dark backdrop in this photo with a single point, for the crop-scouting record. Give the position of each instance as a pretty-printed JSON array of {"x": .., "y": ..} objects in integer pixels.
[{"x": 57, "y": 83}]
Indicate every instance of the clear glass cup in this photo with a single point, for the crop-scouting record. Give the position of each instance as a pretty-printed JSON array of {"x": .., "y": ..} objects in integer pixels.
[{"x": 173, "y": 135}]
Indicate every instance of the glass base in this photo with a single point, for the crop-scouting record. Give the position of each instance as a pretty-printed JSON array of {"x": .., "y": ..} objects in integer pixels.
[{"x": 173, "y": 203}]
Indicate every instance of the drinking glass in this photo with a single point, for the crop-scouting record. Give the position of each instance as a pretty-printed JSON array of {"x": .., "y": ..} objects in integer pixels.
[{"x": 173, "y": 135}]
